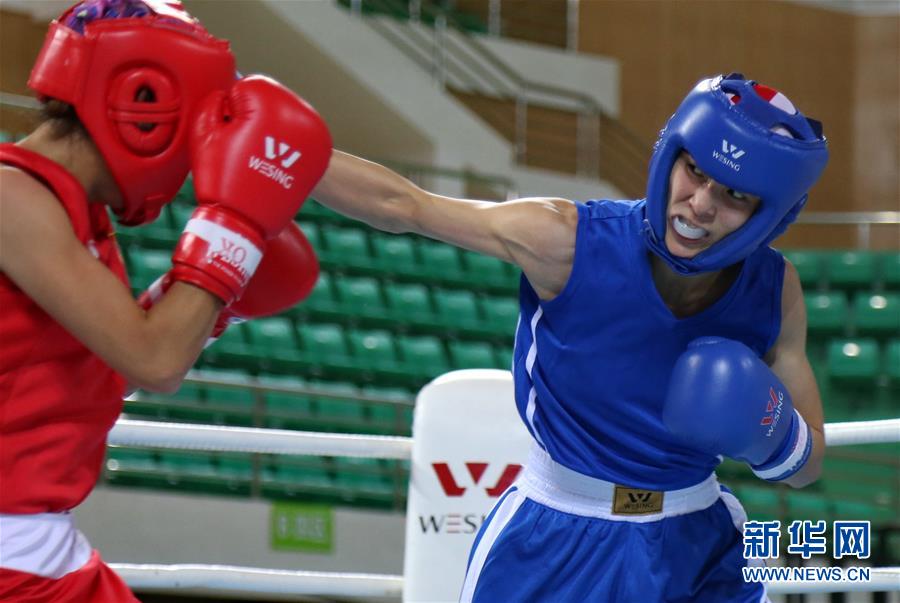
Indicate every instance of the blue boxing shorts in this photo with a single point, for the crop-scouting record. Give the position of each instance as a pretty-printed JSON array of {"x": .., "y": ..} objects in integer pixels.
[{"x": 559, "y": 536}]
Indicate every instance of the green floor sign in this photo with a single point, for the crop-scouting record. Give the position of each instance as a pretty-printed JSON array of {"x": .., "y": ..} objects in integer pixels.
[{"x": 299, "y": 527}]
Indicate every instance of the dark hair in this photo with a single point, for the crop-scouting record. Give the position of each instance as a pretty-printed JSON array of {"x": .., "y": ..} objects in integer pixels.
[{"x": 62, "y": 118}]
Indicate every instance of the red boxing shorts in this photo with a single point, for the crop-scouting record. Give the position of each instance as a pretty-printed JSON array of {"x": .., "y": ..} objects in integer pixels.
[
  {"x": 95, "y": 582},
  {"x": 44, "y": 559}
]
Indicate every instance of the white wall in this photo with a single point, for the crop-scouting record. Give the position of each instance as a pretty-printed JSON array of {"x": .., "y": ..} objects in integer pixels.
[
  {"x": 378, "y": 102},
  {"x": 595, "y": 76},
  {"x": 145, "y": 526}
]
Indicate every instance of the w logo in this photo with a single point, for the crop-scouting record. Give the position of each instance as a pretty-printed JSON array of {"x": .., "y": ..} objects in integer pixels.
[
  {"x": 451, "y": 486},
  {"x": 639, "y": 497},
  {"x": 773, "y": 405},
  {"x": 288, "y": 157},
  {"x": 732, "y": 150}
]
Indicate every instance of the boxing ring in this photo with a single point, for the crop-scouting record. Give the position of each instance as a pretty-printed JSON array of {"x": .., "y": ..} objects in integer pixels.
[{"x": 227, "y": 581}]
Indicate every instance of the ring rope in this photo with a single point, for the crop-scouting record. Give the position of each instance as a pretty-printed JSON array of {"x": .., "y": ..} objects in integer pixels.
[
  {"x": 128, "y": 432},
  {"x": 882, "y": 579},
  {"x": 280, "y": 585},
  {"x": 268, "y": 584},
  {"x": 885, "y": 431}
]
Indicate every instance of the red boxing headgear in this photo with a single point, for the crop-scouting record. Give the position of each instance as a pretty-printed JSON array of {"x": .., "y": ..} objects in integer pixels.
[{"x": 135, "y": 83}]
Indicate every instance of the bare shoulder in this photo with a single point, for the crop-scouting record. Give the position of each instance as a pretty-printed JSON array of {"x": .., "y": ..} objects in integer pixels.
[
  {"x": 31, "y": 217},
  {"x": 540, "y": 239},
  {"x": 792, "y": 337},
  {"x": 18, "y": 185},
  {"x": 791, "y": 291}
]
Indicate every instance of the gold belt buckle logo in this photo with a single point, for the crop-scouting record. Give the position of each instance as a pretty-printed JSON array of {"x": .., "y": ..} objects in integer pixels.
[{"x": 634, "y": 501}]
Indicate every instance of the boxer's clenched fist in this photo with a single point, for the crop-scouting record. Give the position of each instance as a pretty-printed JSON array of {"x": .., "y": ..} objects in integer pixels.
[
  {"x": 285, "y": 277},
  {"x": 722, "y": 399},
  {"x": 256, "y": 152}
]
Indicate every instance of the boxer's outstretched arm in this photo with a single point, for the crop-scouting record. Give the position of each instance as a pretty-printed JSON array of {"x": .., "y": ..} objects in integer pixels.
[
  {"x": 537, "y": 234},
  {"x": 788, "y": 361}
]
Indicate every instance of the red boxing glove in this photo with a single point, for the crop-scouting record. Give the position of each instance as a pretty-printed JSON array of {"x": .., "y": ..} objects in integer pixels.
[
  {"x": 249, "y": 183},
  {"x": 285, "y": 277}
]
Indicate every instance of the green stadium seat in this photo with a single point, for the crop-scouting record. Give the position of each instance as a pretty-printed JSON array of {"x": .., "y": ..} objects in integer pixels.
[
  {"x": 501, "y": 315},
  {"x": 396, "y": 418},
  {"x": 337, "y": 406},
  {"x": 119, "y": 458},
  {"x": 393, "y": 254},
  {"x": 296, "y": 476},
  {"x": 230, "y": 404},
  {"x": 422, "y": 356},
  {"x": 181, "y": 464},
  {"x": 345, "y": 246},
  {"x": 286, "y": 410},
  {"x": 762, "y": 503},
  {"x": 408, "y": 302},
  {"x": 179, "y": 214},
  {"x": 892, "y": 362},
  {"x": 807, "y": 505},
  {"x": 159, "y": 234},
  {"x": 877, "y": 314},
  {"x": 274, "y": 345},
  {"x": 440, "y": 261},
  {"x": 456, "y": 309},
  {"x": 147, "y": 265},
  {"x": 185, "y": 195},
  {"x": 313, "y": 234},
  {"x": 503, "y": 357},
  {"x": 890, "y": 270},
  {"x": 188, "y": 392},
  {"x": 232, "y": 349},
  {"x": 134, "y": 466},
  {"x": 239, "y": 467},
  {"x": 483, "y": 270},
  {"x": 850, "y": 270},
  {"x": 372, "y": 349},
  {"x": 359, "y": 296},
  {"x": 362, "y": 474},
  {"x": 316, "y": 212},
  {"x": 827, "y": 313},
  {"x": 272, "y": 334},
  {"x": 853, "y": 362},
  {"x": 809, "y": 266},
  {"x": 322, "y": 296},
  {"x": 236, "y": 472},
  {"x": 471, "y": 354},
  {"x": 325, "y": 342}
]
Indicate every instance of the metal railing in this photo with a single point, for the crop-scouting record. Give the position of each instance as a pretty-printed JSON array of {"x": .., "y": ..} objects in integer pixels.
[
  {"x": 863, "y": 220},
  {"x": 505, "y": 187},
  {"x": 459, "y": 62}
]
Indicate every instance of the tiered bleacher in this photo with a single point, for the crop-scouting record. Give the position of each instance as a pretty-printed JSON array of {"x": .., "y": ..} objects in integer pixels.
[{"x": 390, "y": 312}]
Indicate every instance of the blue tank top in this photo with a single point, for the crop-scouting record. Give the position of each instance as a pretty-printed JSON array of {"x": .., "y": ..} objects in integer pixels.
[{"x": 592, "y": 366}]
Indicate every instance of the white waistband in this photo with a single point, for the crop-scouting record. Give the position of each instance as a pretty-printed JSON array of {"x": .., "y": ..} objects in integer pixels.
[
  {"x": 549, "y": 483},
  {"x": 45, "y": 544}
]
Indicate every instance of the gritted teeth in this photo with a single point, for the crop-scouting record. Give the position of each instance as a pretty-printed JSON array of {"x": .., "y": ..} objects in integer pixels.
[{"x": 686, "y": 230}]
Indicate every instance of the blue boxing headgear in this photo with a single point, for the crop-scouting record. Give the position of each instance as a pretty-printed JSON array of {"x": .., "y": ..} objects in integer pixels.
[{"x": 746, "y": 143}]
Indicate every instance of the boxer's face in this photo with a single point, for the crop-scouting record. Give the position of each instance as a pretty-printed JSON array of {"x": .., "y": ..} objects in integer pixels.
[{"x": 701, "y": 211}]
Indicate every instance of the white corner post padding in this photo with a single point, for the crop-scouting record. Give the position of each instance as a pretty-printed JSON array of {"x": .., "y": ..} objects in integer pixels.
[{"x": 469, "y": 444}]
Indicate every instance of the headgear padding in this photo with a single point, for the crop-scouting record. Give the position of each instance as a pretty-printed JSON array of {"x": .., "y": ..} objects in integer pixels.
[
  {"x": 135, "y": 75},
  {"x": 737, "y": 138}
]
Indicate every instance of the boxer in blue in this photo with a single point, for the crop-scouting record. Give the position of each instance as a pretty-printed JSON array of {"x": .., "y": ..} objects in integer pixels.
[{"x": 655, "y": 337}]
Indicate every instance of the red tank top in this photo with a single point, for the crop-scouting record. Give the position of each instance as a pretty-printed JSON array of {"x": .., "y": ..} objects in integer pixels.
[{"x": 58, "y": 400}]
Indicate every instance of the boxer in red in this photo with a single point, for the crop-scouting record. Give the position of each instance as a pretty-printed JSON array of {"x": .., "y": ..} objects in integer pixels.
[{"x": 136, "y": 94}]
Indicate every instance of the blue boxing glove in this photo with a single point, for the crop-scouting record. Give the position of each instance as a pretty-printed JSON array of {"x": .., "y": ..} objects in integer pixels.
[{"x": 722, "y": 399}]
